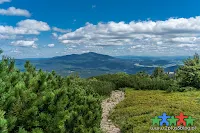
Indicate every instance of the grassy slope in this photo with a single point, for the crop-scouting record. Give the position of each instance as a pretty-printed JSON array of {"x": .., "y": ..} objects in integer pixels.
[{"x": 134, "y": 114}]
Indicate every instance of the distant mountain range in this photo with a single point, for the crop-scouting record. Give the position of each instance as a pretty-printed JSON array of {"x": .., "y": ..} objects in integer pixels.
[{"x": 92, "y": 64}]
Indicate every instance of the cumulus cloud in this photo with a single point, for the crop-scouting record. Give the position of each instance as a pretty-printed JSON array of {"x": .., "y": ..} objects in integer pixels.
[
  {"x": 12, "y": 11},
  {"x": 24, "y": 27},
  {"x": 51, "y": 45},
  {"x": 148, "y": 35},
  {"x": 61, "y": 30},
  {"x": 34, "y": 25},
  {"x": 16, "y": 30},
  {"x": 3, "y": 1},
  {"x": 24, "y": 43}
]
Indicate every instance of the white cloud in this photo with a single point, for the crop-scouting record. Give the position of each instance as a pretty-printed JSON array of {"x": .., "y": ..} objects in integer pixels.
[
  {"x": 55, "y": 35},
  {"x": 34, "y": 25},
  {"x": 136, "y": 46},
  {"x": 5, "y": 37},
  {"x": 186, "y": 45},
  {"x": 35, "y": 39},
  {"x": 186, "y": 39},
  {"x": 24, "y": 43},
  {"x": 3, "y": 1},
  {"x": 51, "y": 45},
  {"x": 24, "y": 27},
  {"x": 159, "y": 42},
  {"x": 12, "y": 11},
  {"x": 16, "y": 51},
  {"x": 144, "y": 35},
  {"x": 16, "y": 30},
  {"x": 61, "y": 30}
]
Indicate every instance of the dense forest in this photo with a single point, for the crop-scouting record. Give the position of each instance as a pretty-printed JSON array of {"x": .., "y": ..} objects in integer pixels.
[{"x": 42, "y": 102}]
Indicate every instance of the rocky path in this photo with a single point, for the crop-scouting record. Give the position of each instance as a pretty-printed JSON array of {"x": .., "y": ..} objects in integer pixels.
[{"x": 107, "y": 105}]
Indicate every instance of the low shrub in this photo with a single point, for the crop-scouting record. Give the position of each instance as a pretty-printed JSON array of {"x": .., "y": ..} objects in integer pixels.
[
  {"x": 140, "y": 81},
  {"x": 40, "y": 102}
]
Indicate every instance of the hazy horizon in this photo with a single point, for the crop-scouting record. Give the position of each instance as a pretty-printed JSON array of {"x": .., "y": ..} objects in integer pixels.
[{"x": 119, "y": 56}]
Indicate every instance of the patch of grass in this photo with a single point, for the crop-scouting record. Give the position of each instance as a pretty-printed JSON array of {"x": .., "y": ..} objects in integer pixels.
[{"x": 134, "y": 113}]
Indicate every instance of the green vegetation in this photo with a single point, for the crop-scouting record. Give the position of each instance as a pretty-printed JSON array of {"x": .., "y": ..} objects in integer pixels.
[
  {"x": 1, "y": 51},
  {"x": 139, "y": 81},
  {"x": 3, "y": 122},
  {"x": 189, "y": 74},
  {"x": 151, "y": 95},
  {"x": 134, "y": 114},
  {"x": 103, "y": 88},
  {"x": 36, "y": 101},
  {"x": 186, "y": 78}
]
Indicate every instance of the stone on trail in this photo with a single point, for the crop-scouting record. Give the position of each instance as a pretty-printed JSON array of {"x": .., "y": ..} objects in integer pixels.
[{"x": 107, "y": 105}]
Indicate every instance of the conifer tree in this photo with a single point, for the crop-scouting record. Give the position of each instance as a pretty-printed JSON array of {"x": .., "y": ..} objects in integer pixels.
[
  {"x": 189, "y": 73},
  {"x": 3, "y": 123}
]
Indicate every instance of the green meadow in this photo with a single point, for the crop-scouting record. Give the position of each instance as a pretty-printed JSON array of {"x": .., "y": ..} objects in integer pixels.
[{"x": 134, "y": 113}]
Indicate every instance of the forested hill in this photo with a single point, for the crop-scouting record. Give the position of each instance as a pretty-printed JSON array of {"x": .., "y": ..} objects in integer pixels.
[{"x": 93, "y": 64}]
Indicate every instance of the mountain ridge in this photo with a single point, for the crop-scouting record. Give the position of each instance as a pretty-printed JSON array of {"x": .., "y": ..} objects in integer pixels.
[{"x": 93, "y": 64}]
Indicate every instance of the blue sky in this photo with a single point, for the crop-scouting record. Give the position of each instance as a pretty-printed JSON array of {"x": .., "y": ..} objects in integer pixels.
[{"x": 46, "y": 28}]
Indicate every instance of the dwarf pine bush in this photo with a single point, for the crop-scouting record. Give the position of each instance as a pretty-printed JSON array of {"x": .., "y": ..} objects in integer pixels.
[{"x": 40, "y": 102}]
